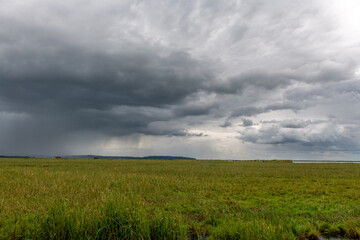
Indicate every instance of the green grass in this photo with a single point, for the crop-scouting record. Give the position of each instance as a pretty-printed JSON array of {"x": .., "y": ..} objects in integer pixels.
[{"x": 160, "y": 199}]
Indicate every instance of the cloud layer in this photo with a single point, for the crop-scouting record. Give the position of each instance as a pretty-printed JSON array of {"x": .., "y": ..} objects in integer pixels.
[{"x": 206, "y": 78}]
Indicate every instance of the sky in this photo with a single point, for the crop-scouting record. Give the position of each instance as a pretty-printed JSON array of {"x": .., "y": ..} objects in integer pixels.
[{"x": 208, "y": 79}]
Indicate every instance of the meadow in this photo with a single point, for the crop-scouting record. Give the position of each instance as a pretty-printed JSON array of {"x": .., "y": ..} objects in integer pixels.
[{"x": 177, "y": 199}]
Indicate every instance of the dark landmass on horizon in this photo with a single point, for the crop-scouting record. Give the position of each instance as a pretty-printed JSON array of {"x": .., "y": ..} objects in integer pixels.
[{"x": 104, "y": 157}]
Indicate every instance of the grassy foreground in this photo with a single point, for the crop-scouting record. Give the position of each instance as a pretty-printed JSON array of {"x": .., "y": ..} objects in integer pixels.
[{"x": 159, "y": 199}]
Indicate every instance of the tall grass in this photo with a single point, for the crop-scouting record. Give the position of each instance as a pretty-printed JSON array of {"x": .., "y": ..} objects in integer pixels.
[
  {"x": 113, "y": 221},
  {"x": 153, "y": 199}
]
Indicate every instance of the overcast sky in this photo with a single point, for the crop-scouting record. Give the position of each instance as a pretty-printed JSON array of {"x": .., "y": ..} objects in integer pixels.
[{"x": 252, "y": 79}]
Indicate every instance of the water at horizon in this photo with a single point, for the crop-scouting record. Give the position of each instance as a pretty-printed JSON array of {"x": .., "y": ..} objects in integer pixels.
[{"x": 326, "y": 161}]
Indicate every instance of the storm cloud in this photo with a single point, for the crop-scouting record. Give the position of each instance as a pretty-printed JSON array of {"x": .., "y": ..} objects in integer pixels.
[{"x": 209, "y": 78}]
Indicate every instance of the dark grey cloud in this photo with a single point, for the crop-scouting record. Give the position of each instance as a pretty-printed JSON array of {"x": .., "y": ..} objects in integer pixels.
[
  {"x": 68, "y": 80},
  {"x": 256, "y": 78},
  {"x": 115, "y": 94},
  {"x": 253, "y": 111},
  {"x": 193, "y": 110},
  {"x": 226, "y": 124},
  {"x": 247, "y": 111},
  {"x": 247, "y": 122}
]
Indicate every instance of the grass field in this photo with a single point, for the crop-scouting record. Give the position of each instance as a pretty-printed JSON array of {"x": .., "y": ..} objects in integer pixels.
[{"x": 160, "y": 199}]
